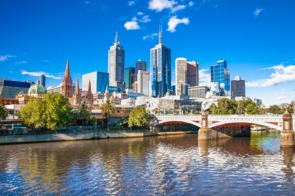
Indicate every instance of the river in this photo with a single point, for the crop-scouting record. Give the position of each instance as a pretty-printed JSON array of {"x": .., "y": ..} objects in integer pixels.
[{"x": 172, "y": 165}]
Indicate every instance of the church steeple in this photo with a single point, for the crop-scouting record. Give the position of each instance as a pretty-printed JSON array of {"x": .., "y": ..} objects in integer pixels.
[
  {"x": 89, "y": 92},
  {"x": 77, "y": 91},
  {"x": 67, "y": 83}
]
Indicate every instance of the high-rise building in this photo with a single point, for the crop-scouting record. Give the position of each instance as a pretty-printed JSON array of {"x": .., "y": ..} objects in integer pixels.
[
  {"x": 99, "y": 81},
  {"x": 116, "y": 59},
  {"x": 67, "y": 83},
  {"x": 42, "y": 79},
  {"x": 186, "y": 74},
  {"x": 238, "y": 87},
  {"x": 160, "y": 69},
  {"x": 139, "y": 65},
  {"x": 143, "y": 82},
  {"x": 10, "y": 88},
  {"x": 129, "y": 77},
  {"x": 220, "y": 74}
]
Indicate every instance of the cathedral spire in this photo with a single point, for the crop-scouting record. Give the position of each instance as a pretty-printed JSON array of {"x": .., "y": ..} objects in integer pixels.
[
  {"x": 160, "y": 34},
  {"x": 89, "y": 93},
  {"x": 77, "y": 87},
  {"x": 67, "y": 72}
]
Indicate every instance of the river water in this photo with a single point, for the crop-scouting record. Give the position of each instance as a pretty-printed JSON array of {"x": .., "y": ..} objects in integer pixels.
[{"x": 172, "y": 165}]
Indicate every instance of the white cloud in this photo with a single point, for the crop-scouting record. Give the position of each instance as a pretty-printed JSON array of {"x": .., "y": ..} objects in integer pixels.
[
  {"x": 159, "y": 5},
  {"x": 131, "y": 25},
  {"x": 205, "y": 77},
  {"x": 139, "y": 13},
  {"x": 177, "y": 8},
  {"x": 282, "y": 97},
  {"x": 131, "y": 3},
  {"x": 257, "y": 11},
  {"x": 145, "y": 19},
  {"x": 22, "y": 62},
  {"x": 5, "y": 57},
  {"x": 23, "y": 72},
  {"x": 191, "y": 3},
  {"x": 174, "y": 21},
  {"x": 282, "y": 74},
  {"x": 151, "y": 36}
]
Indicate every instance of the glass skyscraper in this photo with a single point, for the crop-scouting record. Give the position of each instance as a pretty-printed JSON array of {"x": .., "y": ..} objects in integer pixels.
[
  {"x": 116, "y": 59},
  {"x": 220, "y": 74},
  {"x": 160, "y": 69},
  {"x": 129, "y": 77},
  {"x": 98, "y": 80}
]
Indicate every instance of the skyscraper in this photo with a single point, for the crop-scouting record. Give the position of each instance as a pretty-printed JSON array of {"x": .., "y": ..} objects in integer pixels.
[
  {"x": 42, "y": 79},
  {"x": 186, "y": 74},
  {"x": 143, "y": 82},
  {"x": 238, "y": 87},
  {"x": 129, "y": 77},
  {"x": 160, "y": 69},
  {"x": 67, "y": 84},
  {"x": 139, "y": 65},
  {"x": 116, "y": 59},
  {"x": 220, "y": 74},
  {"x": 99, "y": 81}
]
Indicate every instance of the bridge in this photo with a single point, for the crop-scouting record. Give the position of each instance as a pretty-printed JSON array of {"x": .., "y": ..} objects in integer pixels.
[
  {"x": 271, "y": 121},
  {"x": 223, "y": 126}
]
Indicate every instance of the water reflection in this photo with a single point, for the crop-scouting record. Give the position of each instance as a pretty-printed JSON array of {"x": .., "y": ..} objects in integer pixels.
[{"x": 153, "y": 165}]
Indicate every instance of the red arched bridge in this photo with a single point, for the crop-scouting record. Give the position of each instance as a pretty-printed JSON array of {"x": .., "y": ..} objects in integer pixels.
[{"x": 271, "y": 121}]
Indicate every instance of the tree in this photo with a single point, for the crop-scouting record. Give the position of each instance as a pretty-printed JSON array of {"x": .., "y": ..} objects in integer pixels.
[
  {"x": 53, "y": 111},
  {"x": 138, "y": 117},
  {"x": 251, "y": 108},
  {"x": 108, "y": 108},
  {"x": 31, "y": 113},
  {"x": 84, "y": 113},
  {"x": 275, "y": 109},
  {"x": 56, "y": 111},
  {"x": 3, "y": 112}
]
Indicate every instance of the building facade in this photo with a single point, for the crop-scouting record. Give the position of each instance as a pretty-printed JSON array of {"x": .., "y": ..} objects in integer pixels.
[
  {"x": 160, "y": 69},
  {"x": 186, "y": 74},
  {"x": 220, "y": 74},
  {"x": 10, "y": 88},
  {"x": 129, "y": 77},
  {"x": 42, "y": 79},
  {"x": 99, "y": 81},
  {"x": 196, "y": 92},
  {"x": 116, "y": 61},
  {"x": 238, "y": 87},
  {"x": 143, "y": 82},
  {"x": 139, "y": 65}
]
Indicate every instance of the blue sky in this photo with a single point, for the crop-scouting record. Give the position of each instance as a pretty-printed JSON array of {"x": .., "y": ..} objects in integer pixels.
[{"x": 256, "y": 37}]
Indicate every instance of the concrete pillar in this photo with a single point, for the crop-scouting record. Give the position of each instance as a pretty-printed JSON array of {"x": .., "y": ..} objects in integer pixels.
[
  {"x": 203, "y": 133},
  {"x": 287, "y": 135}
]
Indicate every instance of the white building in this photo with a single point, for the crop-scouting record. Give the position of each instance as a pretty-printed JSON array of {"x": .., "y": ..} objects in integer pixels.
[{"x": 143, "y": 82}]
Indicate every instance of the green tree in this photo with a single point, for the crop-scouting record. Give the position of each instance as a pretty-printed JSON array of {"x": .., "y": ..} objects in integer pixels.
[
  {"x": 3, "y": 112},
  {"x": 108, "y": 108},
  {"x": 138, "y": 117},
  {"x": 251, "y": 108},
  {"x": 224, "y": 106},
  {"x": 56, "y": 111},
  {"x": 31, "y": 113},
  {"x": 275, "y": 109},
  {"x": 84, "y": 114}
]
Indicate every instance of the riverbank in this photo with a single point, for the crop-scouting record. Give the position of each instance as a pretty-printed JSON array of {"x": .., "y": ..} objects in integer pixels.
[{"x": 56, "y": 137}]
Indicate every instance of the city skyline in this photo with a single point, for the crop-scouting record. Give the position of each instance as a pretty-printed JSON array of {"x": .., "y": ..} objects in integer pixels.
[{"x": 253, "y": 37}]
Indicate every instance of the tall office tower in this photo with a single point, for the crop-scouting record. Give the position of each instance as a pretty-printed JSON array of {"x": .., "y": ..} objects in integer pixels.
[
  {"x": 238, "y": 87},
  {"x": 220, "y": 74},
  {"x": 42, "y": 79},
  {"x": 186, "y": 74},
  {"x": 99, "y": 81},
  {"x": 129, "y": 77},
  {"x": 160, "y": 69},
  {"x": 67, "y": 84},
  {"x": 139, "y": 65},
  {"x": 116, "y": 59},
  {"x": 143, "y": 82}
]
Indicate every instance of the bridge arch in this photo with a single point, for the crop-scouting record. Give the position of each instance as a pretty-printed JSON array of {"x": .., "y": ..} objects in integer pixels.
[
  {"x": 266, "y": 124},
  {"x": 181, "y": 121}
]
